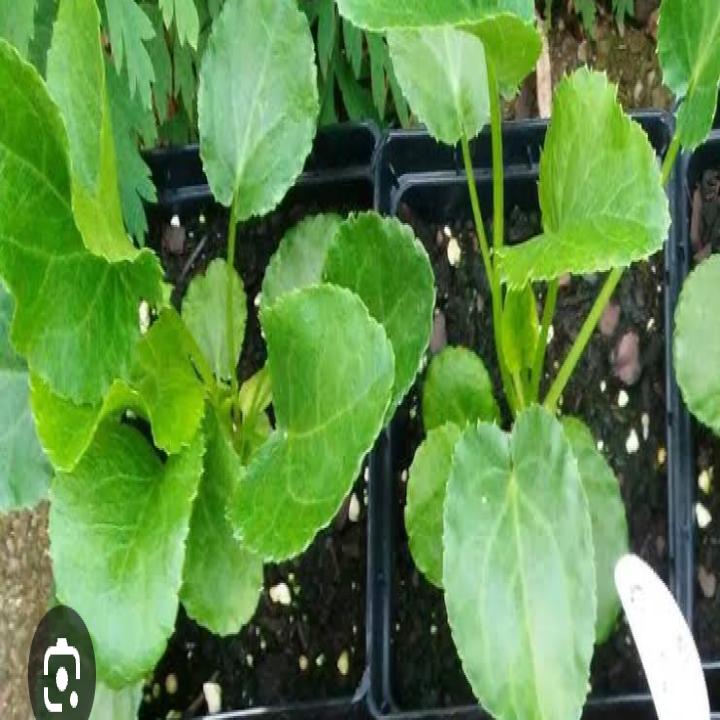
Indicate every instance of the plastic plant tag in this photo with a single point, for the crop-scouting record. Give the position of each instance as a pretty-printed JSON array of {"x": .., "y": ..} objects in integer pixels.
[{"x": 667, "y": 649}]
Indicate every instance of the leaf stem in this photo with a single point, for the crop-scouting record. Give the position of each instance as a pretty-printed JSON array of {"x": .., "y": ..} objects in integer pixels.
[
  {"x": 548, "y": 313},
  {"x": 583, "y": 338},
  {"x": 494, "y": 284},
  {"x": 497, "y": 162},
  {"x": 230, "y": 310},
  {"x": 669, "y": 161}
]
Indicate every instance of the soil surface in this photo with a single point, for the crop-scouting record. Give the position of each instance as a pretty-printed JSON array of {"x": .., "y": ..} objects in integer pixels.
[
  {"x": 313, "y": 648},
  {"x": 463, "y": 317},
  {"x": 705, "y": 236}
]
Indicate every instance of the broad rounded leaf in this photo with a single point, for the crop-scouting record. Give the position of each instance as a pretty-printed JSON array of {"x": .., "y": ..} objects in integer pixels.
[
  {"x": 381, "y": 15},
  {"x": 24, "y": 470},
  {"x": 503, "y": 31},
  {"x": 257, "y": 103},
  {"x": 332, "y": 372},
  {"x": 214, "y": 558},
  {"x": 426, "y": 486},
  {"x": 383, "y": 263},
  {"x": 123, "y": 704},
  {"x": 609, "y": 523},
  {"x": 300, "y": 257},
  {"x": 457, "y": 389},
  {"x": 689, "y": 53},
  {"x": 443, "y": 76},
  {"x": 602, "y": 201},
  {"x": 118, "y": 525},
  {"x": 70, "y": 304},
  {"x": 76, "y": 83},
  {"x": 204, "y": 311},
  {"x": 162, "y": 387},
  {"x": 518, "y": 569},
  {"x": 697, "y": 343}
]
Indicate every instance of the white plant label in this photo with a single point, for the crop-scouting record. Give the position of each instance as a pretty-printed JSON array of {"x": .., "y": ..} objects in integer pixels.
[{"x": 664, "y": 642}]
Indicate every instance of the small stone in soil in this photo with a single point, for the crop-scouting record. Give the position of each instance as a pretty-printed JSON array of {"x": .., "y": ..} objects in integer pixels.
[
  {"x": 626, "y": 360},
  {"x": 213, "y": 697},
  {"x": 609, "y": 320},
  {"x": 171, "y": 684},
  {"x": 303, "y": 663},
  {"x": 707, "y": 582},
  {"x": 454, "y": 253},
  {"x": 280, "y": 594},
  {"x": 439, "y": 339},
  {"x": 343, "y": 663},
  {"x": 661, "y": 456},
  {"x": 702, "y": 515}
]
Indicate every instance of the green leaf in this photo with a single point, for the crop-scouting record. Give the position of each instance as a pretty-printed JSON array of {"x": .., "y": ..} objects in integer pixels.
[
  {"x": 381, "y": 15},
  {"x": 365, "y": 258},
  {"x": 353, "y": 46},
  {"x": 518, "y": 569},
  {"x": 186, "y": 17},
  {"x": 159, "y": 53},
  {"x": 44, "y": 21},
  {"x": 185, "y": 76},
  {"x": 357, "y": 99},
  {"x": 17, "y": 23},
  {"x": 70, "y": 304},
  {"x": 300, "y": 257},
  {"x": 426, "y": 486},
  {"x": 520, "y": 330},
  {"x": 204, "y": 311},
  {"x": 109, "y": 704},
  {"x": 257, "y": 110},
  {"x": 162, "y": 387},
  {"x": 254, "y": 399},
  {"x": 215, "y": 559},
  {"x": 118, "y": 525},
  {"x": 609, "y": 524},
  {"x": 131, "y": 122},
  {"x": 332, "y": 371},
  {"x": 457, "y": 389},
  {"x": 697, "y": 343},
  {"x": 24, "y": 471},
  {"x": 76, "y": 82},
  {"x": 327, "y": 27},
  {"x": 689, "y": 53},
  {"x": 379, "y": 59},
  {"x": 602, "y": 201},
  {"x": 129, "y": 29},
  {"x": 500, "y": 32},
  {"x": 443, "y": 75}
]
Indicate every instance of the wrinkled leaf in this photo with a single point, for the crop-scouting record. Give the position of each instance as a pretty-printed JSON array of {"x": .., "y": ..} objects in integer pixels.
[
  {"x": 258, "y": 103},
  {"x": 457, "y": 389},
  {"x": 383, "y": 263},
  {"x": 24, "y": 471},
  {"x": 609, "y": 524},
  {"x": 443, "y": 76},
  {"x": 162, "y": 387},
  {"x": 520, "y": 330},
  {"x": 518, "y": 569},
  {"x": 109, "y": 704},
  {"x": 134, "y": 513},
  {"x": 76, "y": 82},
  {"x": 204, "y": 311},
  {"x": 426, "y": 486},
  {"x": 383, "y": 15},
  {"x": 300, "y": 257},
  {"x": 689, "y": 53},
  {"x": 70, "y": 303},
  {"x": 697, "y": 343},
  {"x": 602, "y": 201},
  {"x": 130, "y": 28},
  {"x": 17, "y": 23},
  {"x": 332, "y": 371},
  {"x": 186, "y": 17},
  {"x": 215, "y": 559}
]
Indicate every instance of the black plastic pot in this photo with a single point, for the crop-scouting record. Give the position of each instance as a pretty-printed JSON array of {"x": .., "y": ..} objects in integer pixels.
[
  {"x": 338, "y": 173},
  {"x": 692, "y": 168},
  {"x": 414, "y": 172}
]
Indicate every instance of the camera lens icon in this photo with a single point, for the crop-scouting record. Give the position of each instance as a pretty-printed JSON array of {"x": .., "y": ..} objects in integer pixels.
[{"x": 61, "y": 678}]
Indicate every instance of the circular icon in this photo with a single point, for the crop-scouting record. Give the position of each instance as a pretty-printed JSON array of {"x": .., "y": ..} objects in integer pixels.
[{"x": 61, "y": 667}]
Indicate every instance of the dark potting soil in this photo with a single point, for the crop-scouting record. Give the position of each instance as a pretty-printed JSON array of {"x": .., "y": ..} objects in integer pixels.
[
  {"x": 287, "y": 653},
  {"x": 705, "y": 235},
  {"x": 463, "y": 316}
]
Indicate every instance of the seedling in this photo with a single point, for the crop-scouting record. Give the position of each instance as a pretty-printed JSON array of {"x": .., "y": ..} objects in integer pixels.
[
  {"x": 169, "y": 480},
  {"x": 522, "y": 529}
]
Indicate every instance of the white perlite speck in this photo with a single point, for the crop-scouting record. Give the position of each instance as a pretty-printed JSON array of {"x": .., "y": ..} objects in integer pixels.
[
  {"x": 600, "y": 445},
  {"x": 303, "y": 663},
  {"x": 550, "y": 335},
  {"x": 354, "y": 509},
  {"x": 454, "y": 253},
  {"x": 603, "y": 386},
  {"x": 343, "y": 663},
  {"x": 632, "y": 444},
  {"x": 175, "y": 221},
  {"x": 280, "y": 594},
  {"x": 623, "y": 399},
  {"x": 258, "y": 300},
  {"x": 213, "y": 697},
  {"x": 144, "y": 317},
  {"x": 645, "y": 420},
  {"x": 702, "y": 515},
  {"x": 704, "y": 481}
]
